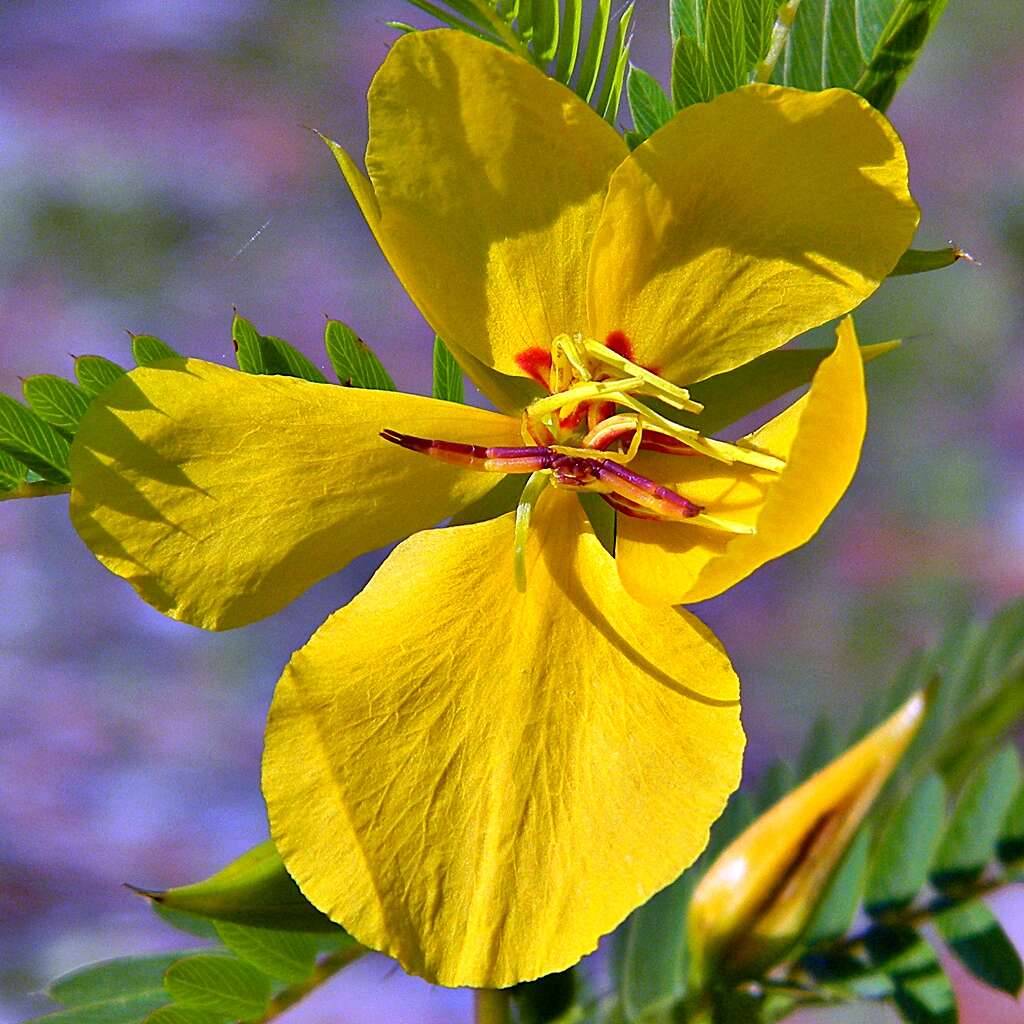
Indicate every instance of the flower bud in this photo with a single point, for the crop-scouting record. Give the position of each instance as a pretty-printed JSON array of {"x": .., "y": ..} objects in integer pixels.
[{"x": 760, "y": 893}]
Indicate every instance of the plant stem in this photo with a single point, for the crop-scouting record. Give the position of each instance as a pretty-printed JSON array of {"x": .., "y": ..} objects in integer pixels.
[
  {"x": 492, "y": 1006},
  {"x": 35, "y": 490},
  {"x": 324, "y": 970},
  {"x": 780, "y": 33}
]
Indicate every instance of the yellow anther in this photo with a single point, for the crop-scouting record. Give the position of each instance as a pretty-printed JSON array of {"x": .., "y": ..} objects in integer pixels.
[{"x": 671, "y": 394}]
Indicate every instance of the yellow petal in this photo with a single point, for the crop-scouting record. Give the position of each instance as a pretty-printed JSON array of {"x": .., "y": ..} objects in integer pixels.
[
  {"x": 487, "y": 183},
  {"x": 819, "y": 436},
  {"x": 759, "y": 894},
  {"x": 744, "y": 222},
  {"x": 222, "y": 496},
  {"x": 480, "y": 782}
]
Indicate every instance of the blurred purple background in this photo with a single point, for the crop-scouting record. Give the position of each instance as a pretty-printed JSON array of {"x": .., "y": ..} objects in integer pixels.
[{"x": 142, "y": 144}]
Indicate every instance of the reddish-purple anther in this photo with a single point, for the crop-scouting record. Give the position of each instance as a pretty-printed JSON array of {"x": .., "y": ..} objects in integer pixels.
[{"x": 626, "y": 491}]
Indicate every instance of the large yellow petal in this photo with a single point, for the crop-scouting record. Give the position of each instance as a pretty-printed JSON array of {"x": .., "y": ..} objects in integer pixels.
[
  {"x": 486, "y": 180},
  {"x": 819, "y": 436},
  {"x": 222, "y": 496},
  {"x": 481, "y": 783},
  {"x": 744, "y": 222}
]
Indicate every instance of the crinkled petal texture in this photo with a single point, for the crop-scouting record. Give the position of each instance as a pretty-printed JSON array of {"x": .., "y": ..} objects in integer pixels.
[
  {"x": 480, "y": 782},
  {"x": 745, "y": 221},
  {"x": 486, "y": 185},
  {"x": 819, "y": 436},
  {"x": 221, "y": 496}
]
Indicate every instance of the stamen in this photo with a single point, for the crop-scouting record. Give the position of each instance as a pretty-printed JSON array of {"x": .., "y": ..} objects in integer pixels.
[
  {"x": 590, "y": 452},
  {"x": 669, "y": 393},
  {"x": 524, "y": 512}
]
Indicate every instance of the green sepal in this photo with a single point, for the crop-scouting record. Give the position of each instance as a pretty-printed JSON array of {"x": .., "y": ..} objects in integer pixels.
[
  {"x": 219, "y": 984},
  {"x": 448, "y": 385},
  {"x": 920, "y": 261},
  {"x": 56, "y": 400},
  {"x": 353, "y": 360},
  {"x": 95, "y": 373},
  {"x": 147, "y": 349},
  {"x": 254, "y": 890},
  {"x": 32, "y": 441}
]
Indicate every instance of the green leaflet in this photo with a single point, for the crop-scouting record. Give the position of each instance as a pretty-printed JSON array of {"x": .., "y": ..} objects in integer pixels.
[
  {"x": 56, "y": 400},
  {"x": 184, "y": 1015},
  {"x": 120, "y": 979},
  {"x": 352, "y": 359},
  {"x": 547, "y": 999},
  {"x": 263, "y": 354},
  {"x": 255, "y": 889},
  {"x": 32, "y": 441},
  {"x": 691, "y": 75},
  {"x": 288, "y": 956},
  {"x": 980, "y": 944},
  {"x": 448, "y": 384},
  {"x": 219, "y": 984},
  {"x": 922, "y": 992},
  {"x": 868, "y": 46},
  {"x": 95, "y": 373},
  {"x": 920, "y": 261},
  {"x": 654, "y": 964},
  {"x": 116, "y": 1010},
  {"x": 1010, "y": 845},
  {"x": 550, "y": 34},
  {"x": 969, "y": 841},
  {"x": 591, "y": 66},
  {"x": 12, "y": 472},
  {"x": 648, "y": 104},
  {"x": 905, "y": 849},
  {"x": 838, "y": 906},
  {"x": 147, "y": 350},
  {"x": 820, "y": 747},
  {"x": 686, "y": 18}
]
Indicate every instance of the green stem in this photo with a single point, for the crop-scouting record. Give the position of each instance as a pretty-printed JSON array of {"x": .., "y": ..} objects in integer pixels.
[
  {"x": 492, "y": 1006},
  {"x": 35, "y": 490},
  {"x": 324, "y": 970},
  {"x": 780, "y": 33}
]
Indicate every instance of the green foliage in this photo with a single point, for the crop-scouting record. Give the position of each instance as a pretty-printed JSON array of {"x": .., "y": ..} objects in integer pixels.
[
  {"x": 550, "y": 34},
  {"x": 147, "y": 350},
  {"x": 33, "y": 442},
  {"x": 352, "y": 359},
  {"x": 56, "y": 400},
  {"x": 448, "y": 383},
  {"x": 95, "y": 373},
  {"x": 287, "y": 955},
  {"x": 220, "y": 985},
  {"x": 263, "y": 354},
  {"x": 868, "y": 46}
]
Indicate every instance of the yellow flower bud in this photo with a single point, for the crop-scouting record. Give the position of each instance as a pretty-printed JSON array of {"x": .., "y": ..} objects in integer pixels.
[{"x": 759, "y": 894}]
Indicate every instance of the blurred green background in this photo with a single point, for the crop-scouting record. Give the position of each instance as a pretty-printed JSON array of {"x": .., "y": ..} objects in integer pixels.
[{"x": 142, "y": 146}]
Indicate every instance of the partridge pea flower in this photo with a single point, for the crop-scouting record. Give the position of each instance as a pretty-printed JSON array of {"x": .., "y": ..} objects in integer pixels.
[{"x": 478, "y": 777}]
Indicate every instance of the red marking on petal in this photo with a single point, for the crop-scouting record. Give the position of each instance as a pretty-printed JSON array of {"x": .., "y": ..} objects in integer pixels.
[
  {"x": 536, "y": 363},
  {"x": 618, "y": 341}
]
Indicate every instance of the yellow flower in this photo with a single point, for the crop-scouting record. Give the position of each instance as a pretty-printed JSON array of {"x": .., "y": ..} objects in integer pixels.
[{"x": 478, "y": 780}]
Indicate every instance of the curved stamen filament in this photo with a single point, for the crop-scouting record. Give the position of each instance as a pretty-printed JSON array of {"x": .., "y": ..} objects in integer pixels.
[
  {"x": 669, "y": 393},
  {"x": 524, "y": 512}
]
